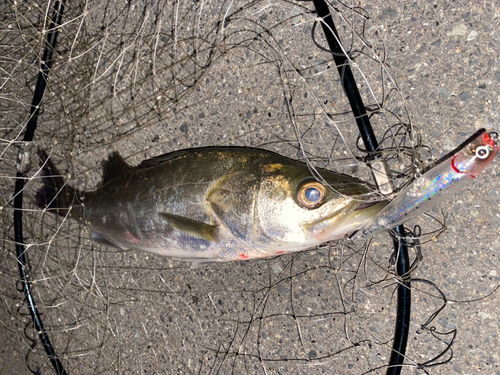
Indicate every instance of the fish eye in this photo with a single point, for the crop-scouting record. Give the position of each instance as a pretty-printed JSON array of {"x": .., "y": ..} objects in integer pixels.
[
  {"x": 311, "y": 194},
  {"x": 482, "y": 152}
]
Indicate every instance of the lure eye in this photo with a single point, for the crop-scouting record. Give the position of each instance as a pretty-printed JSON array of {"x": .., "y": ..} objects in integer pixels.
[
  {"x": 311, "y": 194},
  {"x": 482, "y": 152}
]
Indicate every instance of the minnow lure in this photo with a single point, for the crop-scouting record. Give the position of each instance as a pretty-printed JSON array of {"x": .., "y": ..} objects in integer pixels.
[{"x": 447, "y": 176}]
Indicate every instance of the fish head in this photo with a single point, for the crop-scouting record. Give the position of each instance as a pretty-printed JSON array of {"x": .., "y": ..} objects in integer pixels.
[
  {"x": 475, "y": 154},
  {"x": 296, "y": 211}
]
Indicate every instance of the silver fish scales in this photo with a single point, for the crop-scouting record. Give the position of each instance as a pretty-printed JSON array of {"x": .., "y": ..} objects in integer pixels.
[{"x": 213, "y": 204}]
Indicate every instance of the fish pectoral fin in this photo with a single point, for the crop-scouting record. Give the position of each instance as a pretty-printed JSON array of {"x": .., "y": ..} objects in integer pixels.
[
  {"x": 195, "y": 264},
  {"x": 232, "y": 201},
  {"x": 99, "y": 238},
  {"x": 192, "y": 227}
]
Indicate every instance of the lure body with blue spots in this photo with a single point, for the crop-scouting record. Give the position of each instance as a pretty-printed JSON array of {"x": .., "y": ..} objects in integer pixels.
[{"x": 440, "y": 182}]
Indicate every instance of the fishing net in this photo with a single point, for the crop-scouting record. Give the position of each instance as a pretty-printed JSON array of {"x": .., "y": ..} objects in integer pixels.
[{"x": 146, "y": 78}]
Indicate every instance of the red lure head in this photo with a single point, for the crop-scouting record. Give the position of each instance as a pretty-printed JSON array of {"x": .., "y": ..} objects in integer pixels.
[{"x": 475, "y": 155}]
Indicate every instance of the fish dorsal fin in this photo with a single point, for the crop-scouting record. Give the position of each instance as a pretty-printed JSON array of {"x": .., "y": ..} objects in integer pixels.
[
  {"x": 193, "y": 151},
  {"x": 192, "y": 227},
  {"x": 163, "y": 158},
  {"x": 114, "y": 167}
]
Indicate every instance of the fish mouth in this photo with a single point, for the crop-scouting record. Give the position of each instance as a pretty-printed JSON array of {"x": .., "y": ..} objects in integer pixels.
[
  {"x": 346, "y": 222},
  {"x": 343, "y": 212},
  {"x": 336, "y": 217},
  {"x": 323, "y": 219}
]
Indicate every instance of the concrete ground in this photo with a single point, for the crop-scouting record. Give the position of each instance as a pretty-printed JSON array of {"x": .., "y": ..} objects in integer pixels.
[{"x": 148, "y": 78}]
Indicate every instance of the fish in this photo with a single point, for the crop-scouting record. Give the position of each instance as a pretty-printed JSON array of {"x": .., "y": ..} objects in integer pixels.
[
  {"x": 212, "y": 204},
  {"x": 444, "y": 178}
]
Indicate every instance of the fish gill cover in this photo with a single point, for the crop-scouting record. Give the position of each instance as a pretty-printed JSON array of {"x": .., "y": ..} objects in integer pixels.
[{"x": 147, "y": 78}]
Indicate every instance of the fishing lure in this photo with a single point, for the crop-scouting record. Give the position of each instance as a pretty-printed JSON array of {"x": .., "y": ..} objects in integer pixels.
[{"x": 447, "y": 176}]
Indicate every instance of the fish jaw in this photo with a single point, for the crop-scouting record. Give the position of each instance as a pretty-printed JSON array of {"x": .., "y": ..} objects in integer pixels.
[{"x": 358, "y": 219}]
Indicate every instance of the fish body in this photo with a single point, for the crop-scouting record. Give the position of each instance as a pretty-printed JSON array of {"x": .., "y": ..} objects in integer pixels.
[
  {"x": 213, "y": 204},
  {"x": 439, "y": 183}
]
